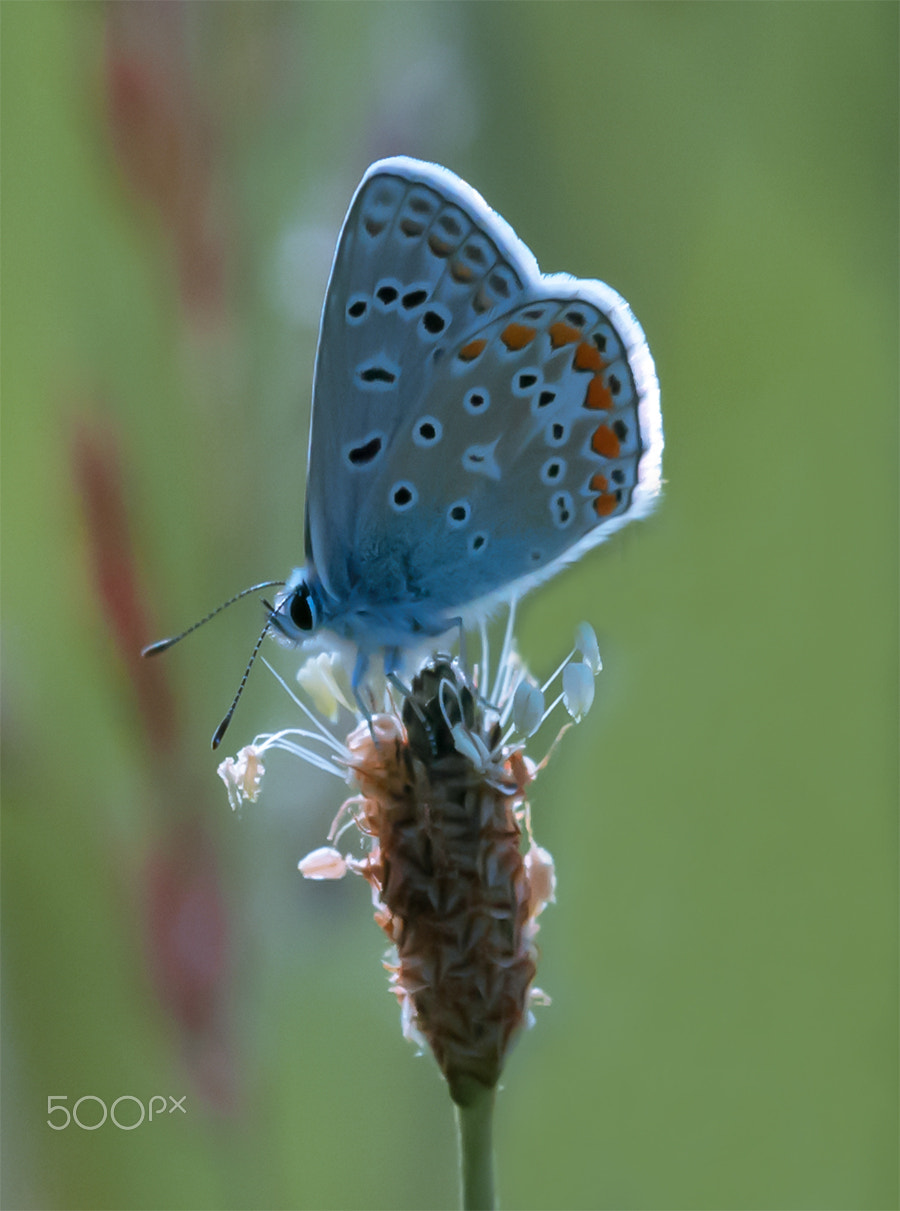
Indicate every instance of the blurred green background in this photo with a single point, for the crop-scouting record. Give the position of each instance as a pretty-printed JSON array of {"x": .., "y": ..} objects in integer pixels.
[{"x": 722, "y": 957}]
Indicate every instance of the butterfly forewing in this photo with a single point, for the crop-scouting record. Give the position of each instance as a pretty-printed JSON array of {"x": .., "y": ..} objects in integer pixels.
[
  {"x": 475, "y": 423},
  {"x": 416, "y": 269}
]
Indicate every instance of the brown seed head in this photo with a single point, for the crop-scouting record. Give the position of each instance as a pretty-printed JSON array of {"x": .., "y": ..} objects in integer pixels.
[{"x": 440, "y": 798}]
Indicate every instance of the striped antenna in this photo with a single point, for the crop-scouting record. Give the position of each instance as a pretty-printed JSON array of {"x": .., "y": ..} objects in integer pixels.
[
  {"x": 223, "y": 726},
  {"x": 163, "y": 645}
]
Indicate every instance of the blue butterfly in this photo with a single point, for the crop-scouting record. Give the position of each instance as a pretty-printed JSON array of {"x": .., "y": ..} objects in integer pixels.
[{"x": 476, "y": 424}]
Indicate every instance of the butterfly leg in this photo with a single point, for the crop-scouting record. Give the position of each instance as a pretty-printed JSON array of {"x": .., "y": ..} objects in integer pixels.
[
  {"x": 359, "y": 672},
  {"x": 391, "y": 664},
  {"x": 403, "y": 690},
  {"x": 391, "y": 661}
]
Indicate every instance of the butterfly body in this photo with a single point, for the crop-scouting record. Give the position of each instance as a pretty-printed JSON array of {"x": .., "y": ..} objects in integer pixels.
[{"x": 476, "y": 424}]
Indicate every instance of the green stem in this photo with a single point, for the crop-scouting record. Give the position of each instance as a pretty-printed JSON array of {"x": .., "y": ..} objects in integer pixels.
[{"x": 474, "y": 1121}]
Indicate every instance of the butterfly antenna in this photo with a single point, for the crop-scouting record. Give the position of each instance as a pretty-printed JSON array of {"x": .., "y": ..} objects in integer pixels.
[
  {"x": 223, "y": 726},
  {"x": 163, "y": 645}
]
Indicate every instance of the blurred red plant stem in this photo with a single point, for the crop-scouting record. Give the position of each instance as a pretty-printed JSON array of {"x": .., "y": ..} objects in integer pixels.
[
  {"x": 99, "y": 479},
  {"x": 162, "y": 135},
  {"x": 185, "y": 920}
]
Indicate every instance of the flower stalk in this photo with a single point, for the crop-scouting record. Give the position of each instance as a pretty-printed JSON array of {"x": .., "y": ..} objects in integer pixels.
[{"x": 474, "y": 1127}]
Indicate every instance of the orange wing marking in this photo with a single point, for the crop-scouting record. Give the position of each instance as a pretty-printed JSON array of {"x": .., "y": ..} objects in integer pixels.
[
  {"x": 517, "y": 336},
  {"x": 598, "y": 395},
  {"x": 605, "y": 504},
  {"x": 604, "y": 442},
  {"x": 563, "y": 334},
  {"x": 469, "y": 352},
  {"x": 587, "y": 357}
]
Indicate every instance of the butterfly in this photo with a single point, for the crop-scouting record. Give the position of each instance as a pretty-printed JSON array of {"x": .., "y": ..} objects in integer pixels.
[{"x": 476, "y": 424}]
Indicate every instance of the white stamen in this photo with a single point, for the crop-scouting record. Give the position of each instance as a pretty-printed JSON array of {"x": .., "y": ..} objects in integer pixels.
[
  {"x": 323, "y": 863},
  {"x": 586, "y": 644},
  {"x": 553, "y": 676},
  {"x": 541, "y": 878},
  {"x": 321, "y": 678},
  {"x": 505, "y": 653},
  {"x": 515, "y": 673},
  {"x": 484, "y": 677},
  {"x": 242, "y": 776},
  {"x": 578, "y": 689},
  {"x": 470, "y": 746},
  {"x": 319, "y": 726},
  {"x": 528, "y": 708},
  {"x": 328, "y": 764}
]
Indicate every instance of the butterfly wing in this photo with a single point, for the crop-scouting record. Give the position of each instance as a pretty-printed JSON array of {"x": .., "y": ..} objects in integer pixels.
[
  {"x": 420, "y": 260},
  {"x": 475, "y": 423}
]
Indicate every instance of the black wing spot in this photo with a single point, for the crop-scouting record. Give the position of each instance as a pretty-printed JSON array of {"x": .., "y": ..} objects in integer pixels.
[
  {"x": 357, "y": 310},
  {"x": 403, "y": 496},
  {"x": 450, "y": 225},
  {"x": 600, "y": 341},
  {"x": 617, "y": 476},
  {"x": 414, "y": 298},
  {"x": 420, "y": 205},
  {"x": 360, "y": 455},
  {"x": 615, "y": 384},
  {"x": 536, "y": 313},
  {"x": 526, "y": 381},
  {"x": 428, "y": 431},
  {"x": 620, "y": 429},
  {"x": 386, "y": 294},
  {"x": 546, "y": 398},
  {"x": 576, "y": 318},
  {"x": 558, "y": 431},
  {"x": 561, "y": 508},
  {"x": 377, "y": 374},
  {"x": 433, "y": 323},
  {"x": 458, "y": 514},
  {"x": 411, "y": 228}
]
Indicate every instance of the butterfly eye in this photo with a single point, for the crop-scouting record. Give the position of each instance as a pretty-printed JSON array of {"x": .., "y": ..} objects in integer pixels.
[{"x": 301, "y": 610}]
